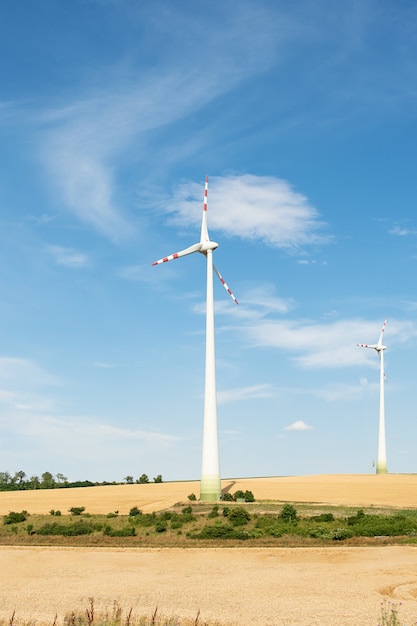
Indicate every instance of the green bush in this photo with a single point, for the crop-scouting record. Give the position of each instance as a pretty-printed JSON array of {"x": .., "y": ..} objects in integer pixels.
[
  {"x": 161, "y": 526},
  {"x": 384, "y": 525},
  {"x": 66, "y": 530},
  {"x": 249, "y": 497},
  {"x": 145, "y": 519},
  {"x": 227, "y": 497},
  {"x": 187, "y": 510},
  {"x": 324, "y": 517},
  {"x": 126, "y": 531},
  {"x": 192, "y": 497},
  {"x": 239, "y": 516},
  {"x": 77, "y": 510},
  {"x": 134, "y": 511},
  {"x": 14, "y": 518},
  {"x": 176, "y": 524},
  {"x": 221, "y": 531},
  {"x": 288, "y": 513},
  {"x": 214, "y": 512}
]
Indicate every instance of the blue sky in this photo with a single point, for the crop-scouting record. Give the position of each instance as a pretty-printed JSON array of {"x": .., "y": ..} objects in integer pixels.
[{"x": 304, "y": 117}]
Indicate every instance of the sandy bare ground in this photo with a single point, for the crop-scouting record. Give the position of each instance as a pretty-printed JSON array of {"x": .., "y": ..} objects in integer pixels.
[
  {"x": 244, "y": 586},
  {"x": 398, "y": 490}
]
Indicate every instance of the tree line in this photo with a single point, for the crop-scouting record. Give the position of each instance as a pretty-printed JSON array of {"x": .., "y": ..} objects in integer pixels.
[{"x": 19, "y": 481}]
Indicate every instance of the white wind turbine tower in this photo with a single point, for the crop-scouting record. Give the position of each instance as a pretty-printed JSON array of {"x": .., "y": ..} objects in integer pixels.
[
  {"x": 210, "y": 487},
  {"x": 381, "y": 464}
]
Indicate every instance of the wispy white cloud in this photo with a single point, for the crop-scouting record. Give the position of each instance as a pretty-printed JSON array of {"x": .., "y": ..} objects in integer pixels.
[
  {"x": 86, "y": 142},
  {"x": 69, "y": 257},
  {"x": 23, "y": 372},
  {"x": 318, "y": 345},
  {"x": 252, "y": 207},
  {"x": 402, "y": 231},
  {"x": 142, "y": 274},
  {"x": 345, "y": 392},
  {"x": 298, "y": 425},
  {"x": 254, "y": 303},
  {"x": 245, "y": 393}
]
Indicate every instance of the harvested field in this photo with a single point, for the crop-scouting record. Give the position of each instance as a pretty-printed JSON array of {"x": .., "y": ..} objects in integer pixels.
[
  {"x": 341, "y": 586},
  {"x": 396, "y": 490}
]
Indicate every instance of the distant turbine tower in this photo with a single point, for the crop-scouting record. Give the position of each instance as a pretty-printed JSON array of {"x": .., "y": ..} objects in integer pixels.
[
  {"x": 210, "y": 487},
  {"x": 381, "y": 464}
]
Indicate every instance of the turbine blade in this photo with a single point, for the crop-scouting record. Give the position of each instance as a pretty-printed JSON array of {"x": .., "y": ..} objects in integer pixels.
[
  {"x": 204, "y": 231},
  {"x": 225, "y": 285},
  {"x": 194, "y": 248},
  {"x": 382, "y": 333},
  {"x": 367, "y": 345}
]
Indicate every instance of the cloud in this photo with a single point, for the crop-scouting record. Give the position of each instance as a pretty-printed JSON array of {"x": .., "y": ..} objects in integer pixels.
[
  {"x": 261, "y": 208},
  {"x": 401, "y": 231},
  {"x": 69, "y": 258},
  {"x": 298, "y": 425},
  {"x": 87, "y": 143},
  {"x": 141, "y": 274},
  {"x": 320, "y": 345},
  {"x": 23, "y": 372},
  {"x": 350, "y": 393},
  {"x": 244, "y": 393},
  {"x": 254, "y": 303}
]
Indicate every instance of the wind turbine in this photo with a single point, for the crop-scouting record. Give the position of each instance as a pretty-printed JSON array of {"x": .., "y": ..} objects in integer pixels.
[
  {"x": 210, "y": 487},
  {"x": 381, "y": 464}
]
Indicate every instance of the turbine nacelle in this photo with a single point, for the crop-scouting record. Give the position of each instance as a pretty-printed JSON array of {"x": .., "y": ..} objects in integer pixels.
[
  {"x": 375, "y": 346},
  {"x": 208, "y": 245},
  {"x": 203, "y": 246}
]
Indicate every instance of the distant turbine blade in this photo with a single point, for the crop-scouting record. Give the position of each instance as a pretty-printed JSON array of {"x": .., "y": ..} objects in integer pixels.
[
  {"x": 382, "y": 333},
  {"x": 367, "y": 345},
  {"x": 194, "y": 248},
  {"x": 225, "y": 285},
  {"x": 204, "y": 231}
]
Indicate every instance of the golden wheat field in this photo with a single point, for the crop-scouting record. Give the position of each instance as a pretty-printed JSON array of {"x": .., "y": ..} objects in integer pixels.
[{"x": 337, "y": 586}]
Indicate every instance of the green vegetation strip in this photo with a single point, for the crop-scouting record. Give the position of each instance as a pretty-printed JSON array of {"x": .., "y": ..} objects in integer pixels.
[{"x": 253, "y": 522}]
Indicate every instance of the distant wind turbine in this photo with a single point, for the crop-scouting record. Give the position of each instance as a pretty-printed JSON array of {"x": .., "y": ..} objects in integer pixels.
[
  {"x": 381, "y": 464},
  {"x": 210, "y": 487}
]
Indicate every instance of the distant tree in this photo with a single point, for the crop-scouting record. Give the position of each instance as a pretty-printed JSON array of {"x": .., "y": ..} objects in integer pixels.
[
  {"x": 158, "y": 478},
  {"x": 5, "y": 480},
  {"x": 34, "y": 482},
  {"x": 19, "y": 477},
  {"x": 128, "y": 480},
  {"x": 48, "y": 481},
  {"x": 143, "y": 479},
  {"x": 61, "y": 479},
  {"x": 192, "y": 497}
]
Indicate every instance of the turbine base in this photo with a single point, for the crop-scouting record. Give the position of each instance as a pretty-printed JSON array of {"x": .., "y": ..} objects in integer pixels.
[{"x": 210, "y": 488}]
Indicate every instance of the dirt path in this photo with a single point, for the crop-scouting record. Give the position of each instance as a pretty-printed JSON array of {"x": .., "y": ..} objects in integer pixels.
[{"x": 259, "y": 586}]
